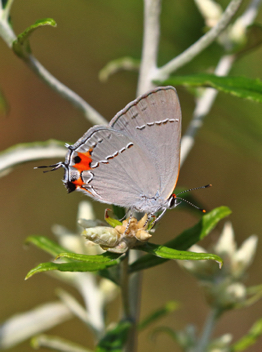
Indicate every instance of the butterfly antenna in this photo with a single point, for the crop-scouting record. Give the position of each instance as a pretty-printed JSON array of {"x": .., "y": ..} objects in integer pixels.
[
  {"x": 54, "y": 166},
  {"x": 192, "y": 205},
  {"x": 189, "y": 190},
  {"x": 193, "y": 189}
]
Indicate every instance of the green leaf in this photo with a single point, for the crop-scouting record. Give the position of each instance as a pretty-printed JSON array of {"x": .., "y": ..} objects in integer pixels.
[
  {"x": 159, "y": 313},
  {"x": 46, "y": 245},
  {"x": 72, "y": 267},
  {"x": 242, "y": 87},
  {"x": 21, "y": 45},
  {"x": 254, "y": 333},
  {"x": 186, "y": 239},
  {"x": 111, "y": 221},
  {"x": 115, "y": 338},
  {"x": 24, "y": 152},
  {"x": 101, "y": 258},
  {"x": 170, "y": 253}
]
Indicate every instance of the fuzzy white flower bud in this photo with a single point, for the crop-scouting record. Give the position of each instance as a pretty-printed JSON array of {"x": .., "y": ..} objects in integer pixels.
[
  {"x": 210, "y": 10},
  {"x": 102, "y": 235}
]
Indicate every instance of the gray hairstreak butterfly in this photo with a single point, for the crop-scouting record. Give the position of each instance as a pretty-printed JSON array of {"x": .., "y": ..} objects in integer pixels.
[{"x": 133, "y": 162}]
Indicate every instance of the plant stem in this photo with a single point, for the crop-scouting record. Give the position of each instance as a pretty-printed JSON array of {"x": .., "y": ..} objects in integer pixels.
[
  {"x": 7, "y": 9},
  {"x": 124, "y": 284},
  {"x": 207, "y": 331},
  {"x": 203, "y": 107},
  {"x": 195, "y": 49},
  {"x": 205, "y": 103},
  {"x": 89, "y": 112},
  {"x": 151, "y": 34}
]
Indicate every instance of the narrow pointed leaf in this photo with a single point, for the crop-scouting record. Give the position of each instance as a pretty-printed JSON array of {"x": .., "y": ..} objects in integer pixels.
[
  {"x": 157, "y": 314},
  {"x": 46, "y": 245},
  {"x": 111, "y": 221},
  {"x": 186, "y": 239},
  {"x": 101, "y": 258},
  {"x": 22, "y": 326},
  {"x": 250, "y": 339},
  {"x": 170, "y": 253},
  {"x": 242, "y": 87},
  {"x": 25, "y": 152},
  {"x": 71, "y": 267},
  {"x": 21, "y": 45},
  {"x": 115, "y": 339},
  {"x": 56, "y": 343}
]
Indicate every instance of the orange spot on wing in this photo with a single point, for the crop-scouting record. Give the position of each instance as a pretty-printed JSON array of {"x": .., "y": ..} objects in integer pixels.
[
  {"x": 85, "y": 161},
  {"x": 79, "y": 183}
]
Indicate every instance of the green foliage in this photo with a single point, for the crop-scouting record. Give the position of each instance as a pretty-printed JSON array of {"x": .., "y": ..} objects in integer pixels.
[
  {"x": 88, "y": 262},
  {"x": 170, "y": 253},
  {"x": 46, "y": 245},
  {"x": 242, "y": 87},
  {"x": 248, "y": 340},
  {"x": 101, "y": 258},
  {"x": 71, "y": 267},
  {"x": 21, "y": 45},
  {"x": 115, "y": 338},
  {"x": 186, "y": 239},
  {"x": 169, "y": 307},
  {"x": 175, "y": 249}
]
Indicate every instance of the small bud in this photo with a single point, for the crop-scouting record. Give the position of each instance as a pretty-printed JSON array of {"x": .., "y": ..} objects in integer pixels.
[
  {"x": 102, "y": 235},
  {"x": 226, "y": 245},
  {"x": 244, "y": 256},
  {"x": 142, "y": 235}
]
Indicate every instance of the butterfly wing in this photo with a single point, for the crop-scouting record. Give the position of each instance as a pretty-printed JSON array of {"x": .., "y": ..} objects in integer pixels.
[
  {"x": 153, "y": 122},
  {"x": 108, "y": 166}
]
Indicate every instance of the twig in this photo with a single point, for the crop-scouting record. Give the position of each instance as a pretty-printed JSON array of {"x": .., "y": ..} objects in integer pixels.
[
  {"x": 89, "y": 112},
  {"x": 203, "y": 107},
  {"x": 124, "y": 284},
  {"x": 7, "y": 10},
  {"x": 205, "y": 103},
  {"x": 207, "y": 331},
  {"x": 195, "y": 49},
  {"x": 151, "y": 33}
]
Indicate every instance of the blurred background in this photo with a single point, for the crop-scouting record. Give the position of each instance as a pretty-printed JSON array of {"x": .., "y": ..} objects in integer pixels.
[{"x": 227, "y": 152}]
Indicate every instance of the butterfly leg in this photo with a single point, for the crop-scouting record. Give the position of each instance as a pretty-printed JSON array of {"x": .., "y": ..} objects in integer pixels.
[{"x": 158, "y": 218}]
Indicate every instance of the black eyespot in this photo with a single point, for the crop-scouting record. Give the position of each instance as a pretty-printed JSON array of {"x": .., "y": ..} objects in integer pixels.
[
  {"x": 77, "y": 159},
  {"x": 70, "y": 186}
]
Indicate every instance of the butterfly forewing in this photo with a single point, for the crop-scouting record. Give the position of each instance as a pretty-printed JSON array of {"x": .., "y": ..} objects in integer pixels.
[{"x": 110, "y": 167}]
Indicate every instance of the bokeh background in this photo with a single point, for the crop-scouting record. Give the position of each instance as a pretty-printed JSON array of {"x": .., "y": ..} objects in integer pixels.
[{"x": 227, "y": 153}]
